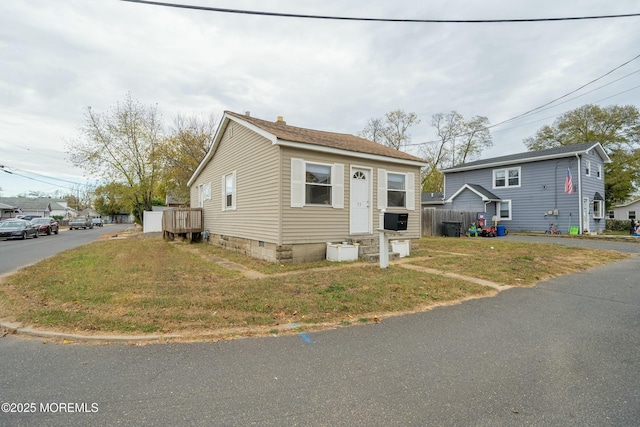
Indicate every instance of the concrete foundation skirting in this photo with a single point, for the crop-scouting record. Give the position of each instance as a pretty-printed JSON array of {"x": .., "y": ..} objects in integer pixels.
[{"x": 297, "y": 252}]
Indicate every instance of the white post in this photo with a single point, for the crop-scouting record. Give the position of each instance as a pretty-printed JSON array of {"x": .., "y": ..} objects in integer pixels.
[{"x": 384, "y": 243}]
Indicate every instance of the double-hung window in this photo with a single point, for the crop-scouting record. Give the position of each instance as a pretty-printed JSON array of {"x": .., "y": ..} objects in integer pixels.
[
  {"x": 504, "y": 210},
  {"x": 229, "y": 192},
  {"x": 396, "y": 190},
  {"x": 598, "y": 209},
  {"x": 504, "y": 178},
  {"x": 587, "y": 167},
  {"x": 317, "y": 184}
]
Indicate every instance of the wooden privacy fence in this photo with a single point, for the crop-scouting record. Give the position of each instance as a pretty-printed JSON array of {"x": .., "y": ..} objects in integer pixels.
[
  {"x": 182, "y": 221},
  {"x": 432, "y": 220}
]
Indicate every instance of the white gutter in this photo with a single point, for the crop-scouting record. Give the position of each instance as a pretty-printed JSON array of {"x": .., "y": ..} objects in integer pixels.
[{"x": 580, "y": 195}]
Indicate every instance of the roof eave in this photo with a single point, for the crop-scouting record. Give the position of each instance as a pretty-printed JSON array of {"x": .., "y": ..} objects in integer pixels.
[
  {"x": 359, "y": 154},
  {"x": 596, "y": 145}
]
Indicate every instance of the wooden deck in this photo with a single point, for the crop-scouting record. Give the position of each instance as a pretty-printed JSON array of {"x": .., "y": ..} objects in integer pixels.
[{"x": 186, "y": 222}]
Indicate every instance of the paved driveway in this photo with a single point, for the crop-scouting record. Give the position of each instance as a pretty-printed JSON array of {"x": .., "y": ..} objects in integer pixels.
[{"x": 631, "y": 247}]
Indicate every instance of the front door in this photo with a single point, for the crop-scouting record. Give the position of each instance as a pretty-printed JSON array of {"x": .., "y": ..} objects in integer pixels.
[{"x": 360, "y": 206}]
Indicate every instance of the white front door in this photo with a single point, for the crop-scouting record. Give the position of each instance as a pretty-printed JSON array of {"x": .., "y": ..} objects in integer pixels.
[{"x": 360, "y": 206}]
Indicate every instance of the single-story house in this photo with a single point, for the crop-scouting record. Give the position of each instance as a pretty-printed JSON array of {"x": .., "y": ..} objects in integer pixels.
[
  {"x": 13, "y": 206},
  {"x": 433, "y": 200},
  {"x": 281, "y": 193},
  {"x": 529, "y": 191},
  {"x": 60, "y": 208},
  {"x": 626, "y": 211}
]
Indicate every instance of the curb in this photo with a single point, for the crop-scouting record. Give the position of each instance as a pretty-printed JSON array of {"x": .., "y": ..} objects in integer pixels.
[{"x": 20, "y": 329}]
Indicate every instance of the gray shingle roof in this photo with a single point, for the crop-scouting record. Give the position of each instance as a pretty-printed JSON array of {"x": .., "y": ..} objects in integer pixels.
[{"x": 532, "y": 156}]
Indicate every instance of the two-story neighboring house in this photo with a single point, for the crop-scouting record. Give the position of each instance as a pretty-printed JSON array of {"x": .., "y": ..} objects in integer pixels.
[{"x": 528, "y": 191}]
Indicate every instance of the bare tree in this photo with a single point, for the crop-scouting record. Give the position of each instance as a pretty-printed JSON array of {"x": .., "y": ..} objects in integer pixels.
[
  {"x": 475, "y": 138},
  {"x": 391, "y": 131},
  {"x": 187, "y": 144},
  {"x": 374, "y": 131},
  {"x": 459, "y": 141},
  {"x": 121, "y": 146}
]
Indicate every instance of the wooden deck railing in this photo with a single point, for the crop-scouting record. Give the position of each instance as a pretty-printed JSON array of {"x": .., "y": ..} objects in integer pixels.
[{"x": 182, "y": 221}]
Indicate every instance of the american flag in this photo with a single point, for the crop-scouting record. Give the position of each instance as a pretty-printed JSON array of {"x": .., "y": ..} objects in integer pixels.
[{"x": 568, "y": 183}]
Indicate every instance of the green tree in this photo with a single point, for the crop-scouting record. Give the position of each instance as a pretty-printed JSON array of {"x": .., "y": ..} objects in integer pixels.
[
  {"x": 181, "y": 152},
  {"x": 121, "y": 146},
  {"x": 616, "y": 128},
  {"x": 109, "y": 199}
]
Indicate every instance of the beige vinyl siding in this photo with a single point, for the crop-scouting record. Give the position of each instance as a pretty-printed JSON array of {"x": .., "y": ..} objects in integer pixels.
[
  {"x": 318, "y": 224},
  {"x": 255, "y": 162}
]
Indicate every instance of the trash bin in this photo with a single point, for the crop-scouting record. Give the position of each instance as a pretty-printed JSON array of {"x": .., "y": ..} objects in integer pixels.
[
  {"x": 451, "y": 228},
  {"x": 501, "y": 230}
]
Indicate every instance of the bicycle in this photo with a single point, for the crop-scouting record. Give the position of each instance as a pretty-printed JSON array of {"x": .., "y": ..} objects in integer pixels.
[{"x": 553, "y": 229}]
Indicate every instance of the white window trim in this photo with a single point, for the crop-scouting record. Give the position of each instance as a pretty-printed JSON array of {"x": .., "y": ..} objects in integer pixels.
[
  {"x": 510, "y": 210},
  {"x": 409, "y": 188},
  {"x": 299, "y": 182},
  {"x": 599, "y": 172},
  {"x": 506, "y": 178},
  {"x": 599, "y": 213},
  {"x": 587, "y": 168},
  {"x": 234, "y": 193}
]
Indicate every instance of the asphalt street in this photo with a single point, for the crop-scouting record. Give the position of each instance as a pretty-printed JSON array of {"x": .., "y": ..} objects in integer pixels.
[
  {"x": 562, "y": 353},
  {"x": 19, "y": 253}
]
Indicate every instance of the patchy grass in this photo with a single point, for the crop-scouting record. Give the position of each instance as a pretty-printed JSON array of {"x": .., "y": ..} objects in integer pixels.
[
  {"x": 148, "y": 285},
  {"x": 140, "y": 286},
  {"x": 508, "y": 262}
]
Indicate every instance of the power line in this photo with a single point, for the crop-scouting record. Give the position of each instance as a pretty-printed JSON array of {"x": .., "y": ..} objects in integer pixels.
[
  {"x": 349, "y": 18},
  {"x": 540, "y": 108},
  {"x": 569, "y": 93},
  {"x": 11, "y": 171}
]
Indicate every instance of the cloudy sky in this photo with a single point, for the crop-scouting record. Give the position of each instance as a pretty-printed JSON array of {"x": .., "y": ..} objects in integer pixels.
[{"x": 59, "y": 57}]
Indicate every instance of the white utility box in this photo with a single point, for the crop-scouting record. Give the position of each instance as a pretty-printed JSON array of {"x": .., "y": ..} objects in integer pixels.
[
  {"x": 342, "y": 252},
  {"x": 402, "y": 247}
]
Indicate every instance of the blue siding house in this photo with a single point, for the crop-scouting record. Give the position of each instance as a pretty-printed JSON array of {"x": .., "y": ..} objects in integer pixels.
[{"x": 531, "y": 190}]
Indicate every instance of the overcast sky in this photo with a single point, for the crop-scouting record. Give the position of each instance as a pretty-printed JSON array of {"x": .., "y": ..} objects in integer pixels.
[{"x": 59, "y": 57}]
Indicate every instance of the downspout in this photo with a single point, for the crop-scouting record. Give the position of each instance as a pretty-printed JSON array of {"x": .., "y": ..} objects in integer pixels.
[{"x": 580, "y": 207}]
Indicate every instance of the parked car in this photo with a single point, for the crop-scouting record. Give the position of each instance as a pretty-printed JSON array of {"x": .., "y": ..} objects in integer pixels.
[
  {"x": 97, "y": 222},
  {"x": 17, "y": 229},
  {"x": 27, "y": 217},
  {"x": 46, "y": 225},
  {"x": 78, "y": 223}
]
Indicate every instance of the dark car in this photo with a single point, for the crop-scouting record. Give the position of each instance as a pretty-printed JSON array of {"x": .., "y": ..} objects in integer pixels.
[
  {"x": 27, "y": 217},
  {"x": 78, "y": 223},
  {"x": 46, "y": 225},
  {"x": 17, "y": 229}
]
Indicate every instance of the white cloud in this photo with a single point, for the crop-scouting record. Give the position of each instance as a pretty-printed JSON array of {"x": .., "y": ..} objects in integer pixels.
[{"x": 57, "y": 58}]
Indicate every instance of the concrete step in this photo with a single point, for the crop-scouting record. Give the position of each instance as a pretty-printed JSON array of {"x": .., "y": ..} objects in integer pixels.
[{"x": 375, "y": 257}]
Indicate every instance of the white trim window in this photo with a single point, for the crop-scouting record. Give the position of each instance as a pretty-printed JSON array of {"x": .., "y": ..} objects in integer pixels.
[
  {"x": 599, "y": 172},
  {"x": 506, "y": 178},
  {"x": 504, "y": 210},
  {"x": 317, "y": 184},
  {"x": 587, "y": 167},
  {"x": 598, "y": 209},
  {"x": 396, "y": 190},
  {"x": 229, "y": 192}
]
